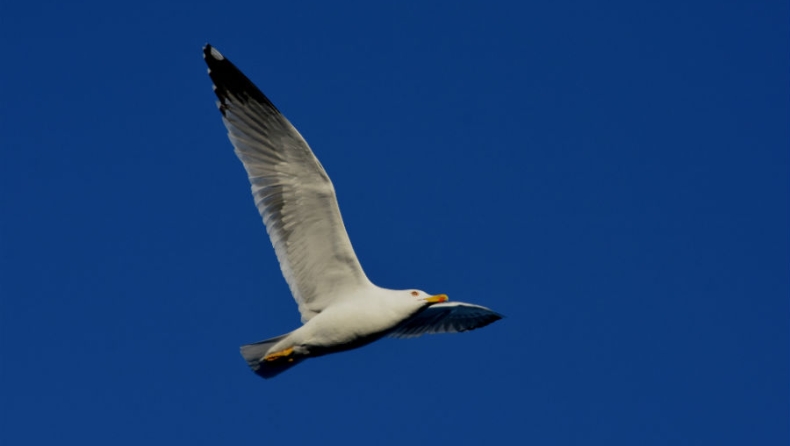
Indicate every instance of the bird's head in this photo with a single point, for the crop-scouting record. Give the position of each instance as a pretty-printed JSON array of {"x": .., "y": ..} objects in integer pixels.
[{"x": 425, "y": 297}]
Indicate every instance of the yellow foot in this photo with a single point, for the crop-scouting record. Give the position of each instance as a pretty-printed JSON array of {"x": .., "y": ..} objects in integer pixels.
[{"x": 280, "y": 355}]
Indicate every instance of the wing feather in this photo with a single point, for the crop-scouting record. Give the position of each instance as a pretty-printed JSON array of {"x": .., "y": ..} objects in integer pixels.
[
  {"x": 447, "y": 317},
  {"x": 292, "y": 192}
]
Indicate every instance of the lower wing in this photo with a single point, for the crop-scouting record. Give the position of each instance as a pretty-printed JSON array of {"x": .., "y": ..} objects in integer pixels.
[{"x": 447, "y": 317}]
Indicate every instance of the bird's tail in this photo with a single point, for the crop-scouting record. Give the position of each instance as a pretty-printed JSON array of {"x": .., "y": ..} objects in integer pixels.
[{"x": 254, "y": 354}]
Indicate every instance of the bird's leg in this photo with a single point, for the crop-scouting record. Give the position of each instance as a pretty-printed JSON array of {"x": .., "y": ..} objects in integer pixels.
[{"x": 280, "y": 355}]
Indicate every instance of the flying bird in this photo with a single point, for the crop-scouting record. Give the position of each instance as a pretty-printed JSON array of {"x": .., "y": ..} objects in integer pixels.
[{"x": 341, "y": 309}]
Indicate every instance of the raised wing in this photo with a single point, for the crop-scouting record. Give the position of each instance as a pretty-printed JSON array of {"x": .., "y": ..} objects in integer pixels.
[
  {"x": 447, "y": 317},
  {"x": 291, "y": 189}
]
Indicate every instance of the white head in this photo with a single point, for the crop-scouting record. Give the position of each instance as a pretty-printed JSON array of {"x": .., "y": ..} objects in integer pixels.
[
  {"x": 408, "y": 301},
  {"x": 423, "y": 296}
]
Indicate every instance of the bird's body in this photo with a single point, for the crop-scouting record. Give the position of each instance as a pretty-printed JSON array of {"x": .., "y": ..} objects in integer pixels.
[
  {"x": 354, "y": 321},
  {"x": 341, "y": 309}
]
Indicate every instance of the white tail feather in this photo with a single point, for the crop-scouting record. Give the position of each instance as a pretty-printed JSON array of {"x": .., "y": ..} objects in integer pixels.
[{"x": 254, "y": 353}]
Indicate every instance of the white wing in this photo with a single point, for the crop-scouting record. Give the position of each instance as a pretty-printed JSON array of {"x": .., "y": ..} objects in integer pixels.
[
  {"x": 291, "y": 189},
  {"x": 447, "y": 317}
]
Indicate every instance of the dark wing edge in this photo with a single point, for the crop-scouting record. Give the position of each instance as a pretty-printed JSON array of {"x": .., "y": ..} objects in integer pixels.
[{"x": 229, "y": 80}]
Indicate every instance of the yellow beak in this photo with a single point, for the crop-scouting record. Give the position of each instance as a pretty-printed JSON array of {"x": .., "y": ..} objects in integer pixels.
[{"x": 437, "y": 299}]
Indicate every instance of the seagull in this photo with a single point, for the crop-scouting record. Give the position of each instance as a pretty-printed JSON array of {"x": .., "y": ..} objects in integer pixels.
[{"x": 341, "y": 309}]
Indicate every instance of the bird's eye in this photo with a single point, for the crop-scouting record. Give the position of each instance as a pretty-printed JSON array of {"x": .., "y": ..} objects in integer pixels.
[{"x": 415, "y": 294}]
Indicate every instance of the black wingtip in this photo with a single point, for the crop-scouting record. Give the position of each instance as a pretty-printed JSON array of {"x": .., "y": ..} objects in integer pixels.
[
  {"x": 209, "y": 52},
  {"x": 230, "y": 81},
  {"x": 206, "y": 48}
]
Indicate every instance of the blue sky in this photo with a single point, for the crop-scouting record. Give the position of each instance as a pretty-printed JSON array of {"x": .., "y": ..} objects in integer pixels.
[{"x": 612, "y": 177}]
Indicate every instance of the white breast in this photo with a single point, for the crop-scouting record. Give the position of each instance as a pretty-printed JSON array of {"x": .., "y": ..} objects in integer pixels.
[{"x": 367, "y": 315}]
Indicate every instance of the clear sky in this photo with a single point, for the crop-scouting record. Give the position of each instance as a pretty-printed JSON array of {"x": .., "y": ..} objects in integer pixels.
[{"x": 611, "y": 177}]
